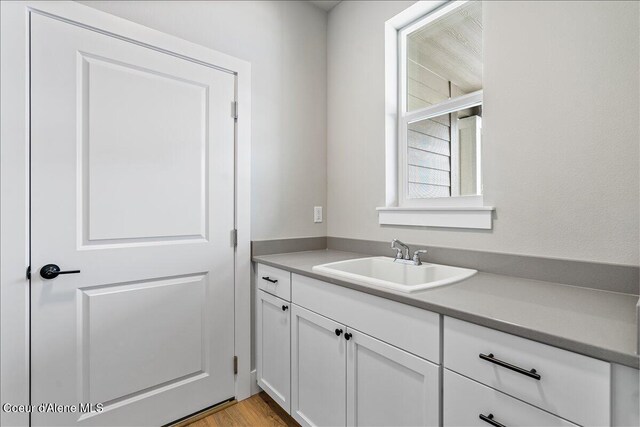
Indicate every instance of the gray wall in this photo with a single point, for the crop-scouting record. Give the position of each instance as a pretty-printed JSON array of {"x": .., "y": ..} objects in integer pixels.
[
  {"x": 560, "y": 121},
  {"x": 561, "y": 129},
  {"x": 286, "y": 45}
]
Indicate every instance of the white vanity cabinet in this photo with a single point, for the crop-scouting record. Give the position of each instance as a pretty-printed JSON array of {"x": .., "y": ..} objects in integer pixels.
[
  {"x": 273, "y": 338},
  {"x": 334, "y": 356},
  {"x": 355, "y": 359},
  {"x": 389, "y": 352},
  {"x": 343, "y": 376}
]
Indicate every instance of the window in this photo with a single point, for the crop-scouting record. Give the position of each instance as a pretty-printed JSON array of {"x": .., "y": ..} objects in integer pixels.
[
  {"x": 440, "y": 112},
  {"x": 434, "y": 106}
]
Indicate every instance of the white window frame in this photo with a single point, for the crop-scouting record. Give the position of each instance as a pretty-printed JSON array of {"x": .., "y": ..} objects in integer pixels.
[
  {"x": 456, "y": 212},
  {"x": 405, "y": 118}
]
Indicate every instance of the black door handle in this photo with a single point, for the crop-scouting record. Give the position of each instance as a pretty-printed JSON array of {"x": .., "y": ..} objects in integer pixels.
[
  {"x": 490, "y": 358},
  {"x": 489, "y": 419},
  {"x": 51, "y": 271},
  {"x": 347, "y": 336},
  {"x": 269, "y": 279},
  {"x": 338, "y": 332},
  {"x": 285, "y": 307}
]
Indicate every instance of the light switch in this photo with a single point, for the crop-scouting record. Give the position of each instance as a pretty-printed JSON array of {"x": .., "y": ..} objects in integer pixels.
[{"x": 317, "y": 214}]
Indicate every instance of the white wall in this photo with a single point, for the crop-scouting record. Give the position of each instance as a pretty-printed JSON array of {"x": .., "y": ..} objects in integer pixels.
[
  {"x": 286, "y": 45},
  {"x": 561, "y": 129}
]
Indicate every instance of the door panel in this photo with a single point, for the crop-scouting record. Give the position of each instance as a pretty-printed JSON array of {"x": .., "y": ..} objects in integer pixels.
[
  {"x": 318, "y": 370},
  {"x": 274, "y": 348},
  {"x": 151, "y": 348},
  {"x": 388, "y": 386},
  {"x": 132, "y": 183},
  {"x": 130, "y": 153}
]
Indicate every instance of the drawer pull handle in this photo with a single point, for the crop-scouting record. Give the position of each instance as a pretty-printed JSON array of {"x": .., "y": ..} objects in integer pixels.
[
  {"x": 347, "y": 336},
  {"x": 338, "y": 332},
  {"x": 285, "y": 307},
  {"x": 269, "y": 279},
  {"x": 490, "y": 358},
  {"x": 489, "y": 419}
]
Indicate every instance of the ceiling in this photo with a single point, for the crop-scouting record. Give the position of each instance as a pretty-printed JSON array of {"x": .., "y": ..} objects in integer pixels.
[{"x": 325, "y": 4}]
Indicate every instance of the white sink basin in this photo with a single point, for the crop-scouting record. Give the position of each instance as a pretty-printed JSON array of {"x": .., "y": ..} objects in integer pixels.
[{"x": 385, "y": 272}]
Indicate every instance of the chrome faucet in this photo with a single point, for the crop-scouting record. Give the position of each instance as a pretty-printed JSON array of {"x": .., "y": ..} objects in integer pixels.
[
  {"x": 416, "y": 256},
  {"x": 399, "y": 254},
  {"x": 403, "y": 256}
]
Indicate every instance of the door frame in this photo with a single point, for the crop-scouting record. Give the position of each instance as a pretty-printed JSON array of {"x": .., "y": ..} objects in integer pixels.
[{"x": 14, "y": 183}]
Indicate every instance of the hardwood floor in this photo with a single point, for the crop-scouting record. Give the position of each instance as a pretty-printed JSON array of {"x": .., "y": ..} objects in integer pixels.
[{"x": 258, "y": 410}]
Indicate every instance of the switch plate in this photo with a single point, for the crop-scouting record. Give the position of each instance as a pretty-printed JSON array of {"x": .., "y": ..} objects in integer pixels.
[{"x": 317, "y": 214}]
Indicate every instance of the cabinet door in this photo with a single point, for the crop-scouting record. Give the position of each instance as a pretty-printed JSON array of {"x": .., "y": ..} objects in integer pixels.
[
  {"x": 318, "y": 369},
  {"x": 387, "y": 386},
  {"x": 274, "y": 348}
]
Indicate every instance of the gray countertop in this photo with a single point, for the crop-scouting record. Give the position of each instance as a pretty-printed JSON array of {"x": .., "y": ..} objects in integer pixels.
[{"x": 595, "y": 323}]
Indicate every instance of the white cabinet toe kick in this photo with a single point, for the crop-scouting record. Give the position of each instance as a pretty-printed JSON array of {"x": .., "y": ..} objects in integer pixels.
[{"x": 331, "y": 355}]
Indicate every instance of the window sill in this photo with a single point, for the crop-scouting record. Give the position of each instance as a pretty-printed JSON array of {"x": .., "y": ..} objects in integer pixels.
[{"x": 478, "y": 217}]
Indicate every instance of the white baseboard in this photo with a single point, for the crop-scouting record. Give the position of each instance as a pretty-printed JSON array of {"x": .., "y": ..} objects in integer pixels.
[{"x": 255, "y": 388}]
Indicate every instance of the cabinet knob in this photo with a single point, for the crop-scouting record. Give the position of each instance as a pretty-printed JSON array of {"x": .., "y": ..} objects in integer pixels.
[
  {"x": 347, "y": 336},
  {"x": 285, "y": 307},
  {"x": 338, "y": 332}
]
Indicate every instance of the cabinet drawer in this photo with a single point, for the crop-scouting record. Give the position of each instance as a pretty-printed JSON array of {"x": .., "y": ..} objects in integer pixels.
[
  {"x": 570, "y": 385},
  {"x": 274, "y": 280},
  {"x": 466, "y": 400},
  {"x": 409, "y": 328}
]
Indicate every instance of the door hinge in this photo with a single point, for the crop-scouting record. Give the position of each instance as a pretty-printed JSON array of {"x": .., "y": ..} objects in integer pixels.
[
  {"x": 235, "y": 365},
  {"x": 28, "y": 272},
  {"x": 234, "y": 237},
  {"x": 234, "y": 109}
]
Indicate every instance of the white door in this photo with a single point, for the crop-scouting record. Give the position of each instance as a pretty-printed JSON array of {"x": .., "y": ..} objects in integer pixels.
[
  {"x": 274, "y": 348},
  {"x": 132, "y": 183},
  {"x": 387, "y": 386},
  {"x": 318, "y": 369}
]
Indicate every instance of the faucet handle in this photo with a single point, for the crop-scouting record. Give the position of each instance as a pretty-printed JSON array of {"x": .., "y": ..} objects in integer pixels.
[
  {"x": 416, "y": 256},
  {"x": 398, "y": 252}
]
